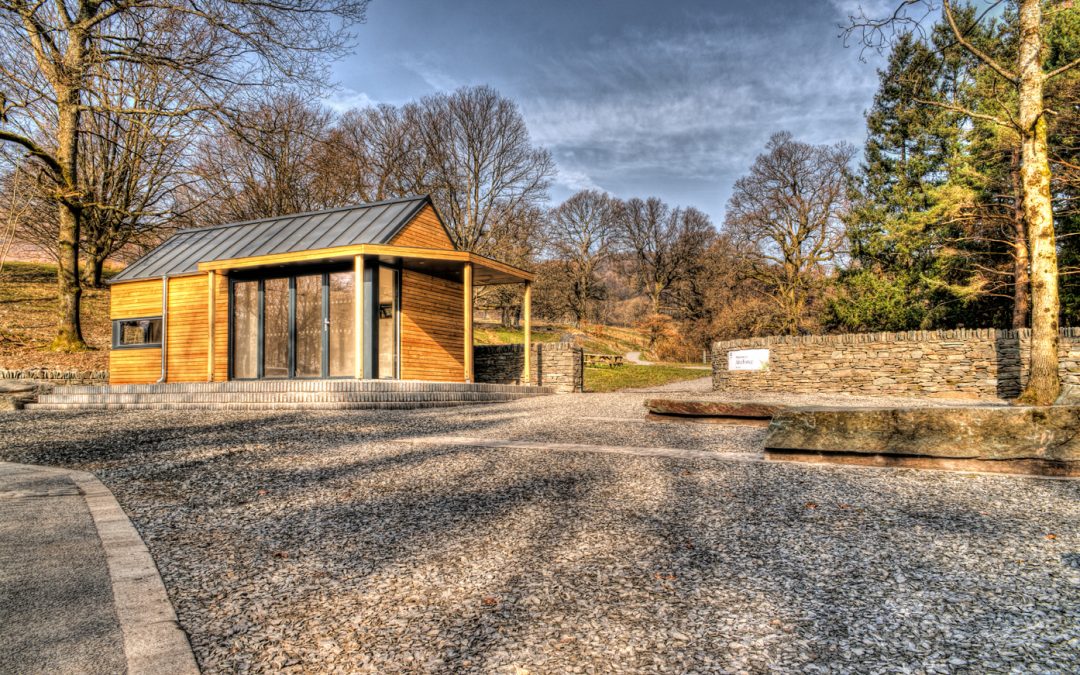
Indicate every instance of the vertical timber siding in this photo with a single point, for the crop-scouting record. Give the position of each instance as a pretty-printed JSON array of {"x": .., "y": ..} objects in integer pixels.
[
  {"x": 424, "y": 231},
  {"x": 221, "y": 329},
  {"x": 432, "y": 328},
  {"x": 131, "y": 300}
]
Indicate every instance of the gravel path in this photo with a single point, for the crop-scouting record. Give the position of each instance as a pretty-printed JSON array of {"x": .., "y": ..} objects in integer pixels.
[
  {"x": 318, "y": 542},
  {"x": 699, "y": 386}
]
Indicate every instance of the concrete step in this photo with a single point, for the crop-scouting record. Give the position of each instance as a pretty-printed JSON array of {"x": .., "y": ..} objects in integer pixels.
[
  {"x": 282, "y": 395},
  {"x": 265, "y": 386},
  {"x": 318, "y": 405}
]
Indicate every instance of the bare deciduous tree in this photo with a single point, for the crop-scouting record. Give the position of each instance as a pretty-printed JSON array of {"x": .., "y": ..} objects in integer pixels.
[
  {"x": 482, "y": 167},
  {"x": 372, "y": 154},
  {"x": 785, "y": 218},
  {"x": 1028, "y": 77},
  {"x": 49, "y": 52},
  {"x": 133, "y": 164},
  {"x": 664, "y": 243},
  {"x": 263, "y": 162},
  {"x": 581, "y": 233}
]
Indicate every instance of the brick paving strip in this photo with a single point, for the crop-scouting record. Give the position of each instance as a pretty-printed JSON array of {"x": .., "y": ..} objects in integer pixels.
[{"x": 152, "y": 639}]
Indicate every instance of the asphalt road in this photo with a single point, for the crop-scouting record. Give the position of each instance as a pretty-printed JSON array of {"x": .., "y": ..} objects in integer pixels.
[{"x": 56, "y": 600}]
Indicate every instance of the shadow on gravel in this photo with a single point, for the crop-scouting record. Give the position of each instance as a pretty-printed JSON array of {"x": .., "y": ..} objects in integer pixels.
[
  {"x": 93, "y": 440},
  {"x": 873, "y": 570},
  {"x": 573, "y": 559}
]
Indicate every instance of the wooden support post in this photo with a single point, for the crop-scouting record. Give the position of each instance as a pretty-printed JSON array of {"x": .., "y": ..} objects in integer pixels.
[
  {"x": 211, "y": 316},
  {"x": 526, "y": 318},
  {"x": 358, "y": 316},
  {"x": 468, "y": 290}
]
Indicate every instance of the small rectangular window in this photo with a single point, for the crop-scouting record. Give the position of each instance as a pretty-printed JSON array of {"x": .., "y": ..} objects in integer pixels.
[{"x": 137, "y": 332}]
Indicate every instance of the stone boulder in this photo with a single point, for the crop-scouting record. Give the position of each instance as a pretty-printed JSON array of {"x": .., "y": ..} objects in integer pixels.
[
  {"x": 977, "y": 432},
  {"x": 15, "y": 394}
]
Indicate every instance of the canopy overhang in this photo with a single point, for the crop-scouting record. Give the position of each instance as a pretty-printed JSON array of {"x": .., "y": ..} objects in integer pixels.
[{"x": 437, "y": 262}]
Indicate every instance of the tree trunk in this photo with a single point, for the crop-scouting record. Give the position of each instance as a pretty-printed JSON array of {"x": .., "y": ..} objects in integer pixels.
[
  {"x": 68, "y": 329},
  {"x": 1021, "y": 274},
  {"x": 94, "y": 268},
  {"x": 1044, "y": 383},
  {"x": 69, "y": 293}
]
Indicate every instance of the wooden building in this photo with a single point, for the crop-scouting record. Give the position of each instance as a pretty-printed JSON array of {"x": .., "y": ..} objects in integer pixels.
[{"x": 376, "y": 291}]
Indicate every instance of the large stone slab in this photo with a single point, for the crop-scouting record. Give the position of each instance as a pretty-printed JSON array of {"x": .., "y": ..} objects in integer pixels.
[
  {"x": 985, "y": 433},
  {"x": 698, "y": 408},
  {"x": 15, "y": 394}
]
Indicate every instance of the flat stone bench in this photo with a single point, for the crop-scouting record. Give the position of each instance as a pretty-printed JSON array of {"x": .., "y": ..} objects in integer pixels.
[
  {"x": 1010, "y": 439},
  {"x": 712, "y": 412}
]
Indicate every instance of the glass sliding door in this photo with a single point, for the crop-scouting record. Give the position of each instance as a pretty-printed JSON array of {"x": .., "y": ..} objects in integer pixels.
[
  {"x": 388, "y": 323},
  {"x": 310, "y": 324},
  {"x": 245, "y": 330},
  {"x": 276, "y": 328},
  {"x": 299, "y": 326},
  {"x": 342, "y": 339}
]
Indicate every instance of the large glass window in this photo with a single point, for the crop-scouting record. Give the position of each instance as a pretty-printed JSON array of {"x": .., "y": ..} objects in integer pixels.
[
  {"x": 294, "y": 326},
  {"x": 246, "y": 329},
  {"x": 276, "y": 328},
  {"x": 342, "y": 338},
  {"x": 309, "y": 325}
]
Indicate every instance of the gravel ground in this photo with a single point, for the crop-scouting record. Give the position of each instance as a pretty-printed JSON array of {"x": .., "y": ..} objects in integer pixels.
[{"x": 317, "y": 542}]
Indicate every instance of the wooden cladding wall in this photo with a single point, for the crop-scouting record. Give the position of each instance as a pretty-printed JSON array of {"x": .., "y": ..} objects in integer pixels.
[
  {"x": 187, "y": 329},
  {"x": 134, "y": 366},
  {"x": 424, "y": 231},
  {"x": 221, "y": 329},
  {"x": 135, "y": 299},
  {"x": 432, "y": 329},
  {"x": 132, "y": 300}
]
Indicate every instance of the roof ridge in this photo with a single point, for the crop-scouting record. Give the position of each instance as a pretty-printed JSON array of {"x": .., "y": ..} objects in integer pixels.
[{"x": 382, "y": 202}]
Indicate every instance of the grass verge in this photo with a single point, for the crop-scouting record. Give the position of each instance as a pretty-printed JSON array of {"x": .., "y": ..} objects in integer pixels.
[{"x": 602, "y": 379}]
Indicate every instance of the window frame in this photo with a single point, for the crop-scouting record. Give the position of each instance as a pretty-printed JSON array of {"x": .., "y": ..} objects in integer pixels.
[
  {"x": 290, "y": 273},
  {"x": 116, "y": 333}
]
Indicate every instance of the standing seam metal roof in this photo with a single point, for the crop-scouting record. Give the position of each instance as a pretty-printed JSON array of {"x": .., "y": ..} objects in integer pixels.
[{"x": 375, "y": 223}]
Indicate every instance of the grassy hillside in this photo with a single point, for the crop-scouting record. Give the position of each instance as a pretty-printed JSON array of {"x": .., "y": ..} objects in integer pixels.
[
  {"x": 596, "y": 339},
  {"x": 27, "y": 321}
]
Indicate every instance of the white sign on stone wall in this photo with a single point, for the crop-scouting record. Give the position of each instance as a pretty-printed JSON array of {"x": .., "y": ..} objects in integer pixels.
[{"x": 748, "y": 359}]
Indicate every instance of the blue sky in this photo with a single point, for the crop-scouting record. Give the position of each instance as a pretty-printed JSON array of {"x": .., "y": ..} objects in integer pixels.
[{"x": 672, "y": 99}]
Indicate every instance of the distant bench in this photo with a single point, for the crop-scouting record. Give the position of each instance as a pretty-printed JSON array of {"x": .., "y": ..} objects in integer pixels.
[{"x": 609, "y": 360}]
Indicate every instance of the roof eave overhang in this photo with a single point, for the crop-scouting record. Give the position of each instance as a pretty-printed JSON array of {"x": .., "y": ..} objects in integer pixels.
[{"x": 507, "y": 274}]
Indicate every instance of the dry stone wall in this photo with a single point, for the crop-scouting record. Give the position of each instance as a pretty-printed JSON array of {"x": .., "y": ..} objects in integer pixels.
[
  {"x": 556, "y": 365},
  {"x": 56, "y": 377},
  {"x": 962, "y": 363}
]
